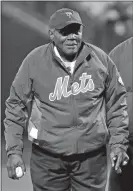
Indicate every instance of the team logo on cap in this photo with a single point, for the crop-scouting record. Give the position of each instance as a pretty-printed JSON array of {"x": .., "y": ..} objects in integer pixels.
[{"x": 69, "y": 14}]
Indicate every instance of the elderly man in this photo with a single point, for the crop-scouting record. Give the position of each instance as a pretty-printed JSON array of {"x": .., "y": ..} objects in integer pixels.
[{"x": 70, "y": 97}]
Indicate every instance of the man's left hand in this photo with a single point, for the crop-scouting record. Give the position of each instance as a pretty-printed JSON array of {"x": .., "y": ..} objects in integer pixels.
[{"x": 119, "y": 158}]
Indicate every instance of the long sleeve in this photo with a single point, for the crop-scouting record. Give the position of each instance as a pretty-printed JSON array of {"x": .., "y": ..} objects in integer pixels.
[
  {"x": 116, "y": 107},
  {"x": 122, "y": 57},
  {"x": 18, "y": 105}
]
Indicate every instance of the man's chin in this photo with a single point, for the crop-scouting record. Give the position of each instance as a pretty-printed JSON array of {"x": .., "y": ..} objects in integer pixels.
[{"x": 71, "y": 53}]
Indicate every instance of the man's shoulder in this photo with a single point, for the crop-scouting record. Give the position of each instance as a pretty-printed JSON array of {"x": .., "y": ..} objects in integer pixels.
[
  {"x": 99, "y": 53},
  {"x": 96, "y": 49},
  {"x": 122, "y": 47},
  {"x": 39, "y": 50},
  {"x": 35, "y": 55}
]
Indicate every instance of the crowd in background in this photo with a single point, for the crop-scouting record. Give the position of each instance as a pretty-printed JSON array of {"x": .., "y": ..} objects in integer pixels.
[{"x": 107, "y": 23}]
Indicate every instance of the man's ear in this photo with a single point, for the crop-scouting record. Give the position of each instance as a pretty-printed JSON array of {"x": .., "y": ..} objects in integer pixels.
[{"x": 51, "y": 34}]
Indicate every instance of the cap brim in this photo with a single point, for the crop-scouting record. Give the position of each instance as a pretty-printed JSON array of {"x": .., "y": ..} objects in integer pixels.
[{"x": 69, "y": 23}]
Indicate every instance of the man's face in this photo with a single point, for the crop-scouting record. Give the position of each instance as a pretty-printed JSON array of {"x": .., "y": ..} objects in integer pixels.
[{"x": 68, "y": 39}]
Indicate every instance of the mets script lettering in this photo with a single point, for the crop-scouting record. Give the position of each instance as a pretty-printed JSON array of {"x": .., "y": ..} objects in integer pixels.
[{"x": 61, "y": 86}]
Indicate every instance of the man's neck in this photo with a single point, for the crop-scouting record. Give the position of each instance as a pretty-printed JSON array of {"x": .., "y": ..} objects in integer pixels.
[
  {"x": 68, "y": 58},
  {"x": 66, "y": 63}
]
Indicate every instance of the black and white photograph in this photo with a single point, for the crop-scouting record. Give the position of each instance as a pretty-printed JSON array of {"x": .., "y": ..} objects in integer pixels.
[{"x": 66, "y": 95}]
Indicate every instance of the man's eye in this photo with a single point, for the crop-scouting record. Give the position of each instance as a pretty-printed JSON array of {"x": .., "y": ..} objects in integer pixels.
[
  {"x": 76, "y": 32},
  {"x": 65, "y": 33}
]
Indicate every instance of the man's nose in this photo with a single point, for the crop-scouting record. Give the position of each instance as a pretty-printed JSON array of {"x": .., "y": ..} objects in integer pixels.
[{"x": 72, "y": 36}]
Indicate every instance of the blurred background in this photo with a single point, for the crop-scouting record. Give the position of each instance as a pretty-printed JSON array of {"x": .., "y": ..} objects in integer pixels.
[{"x": 24, "y": 26}]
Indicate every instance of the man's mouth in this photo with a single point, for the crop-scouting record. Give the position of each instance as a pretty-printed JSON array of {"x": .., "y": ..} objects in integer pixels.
[{"x": 71, "y": 45}]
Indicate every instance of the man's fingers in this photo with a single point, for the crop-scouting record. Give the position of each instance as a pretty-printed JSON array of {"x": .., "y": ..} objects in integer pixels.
[
  {"x": 15, "y": 166},
  {"x": 124, "y": 163},
  {"x": 119, "y": 171},
  {"x": 126, "y": 159},
  {"x": 118, "y": 158},
  {"x": 113, "y": 159},
  {"x": 23, "y": 168},
  {"x": 11, "y": 173},
  {"x": 118, "y": 162}
]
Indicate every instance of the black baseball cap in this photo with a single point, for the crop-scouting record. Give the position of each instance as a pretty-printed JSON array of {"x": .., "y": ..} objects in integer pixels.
[{"x": 63, "y": 17}]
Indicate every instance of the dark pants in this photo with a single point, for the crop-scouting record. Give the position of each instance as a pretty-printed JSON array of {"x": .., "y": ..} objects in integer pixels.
[{"x": 83, "y": 172}]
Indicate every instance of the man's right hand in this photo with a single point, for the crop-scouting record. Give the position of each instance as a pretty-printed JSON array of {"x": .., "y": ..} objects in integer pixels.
[{"x": 13, "y": 162}]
